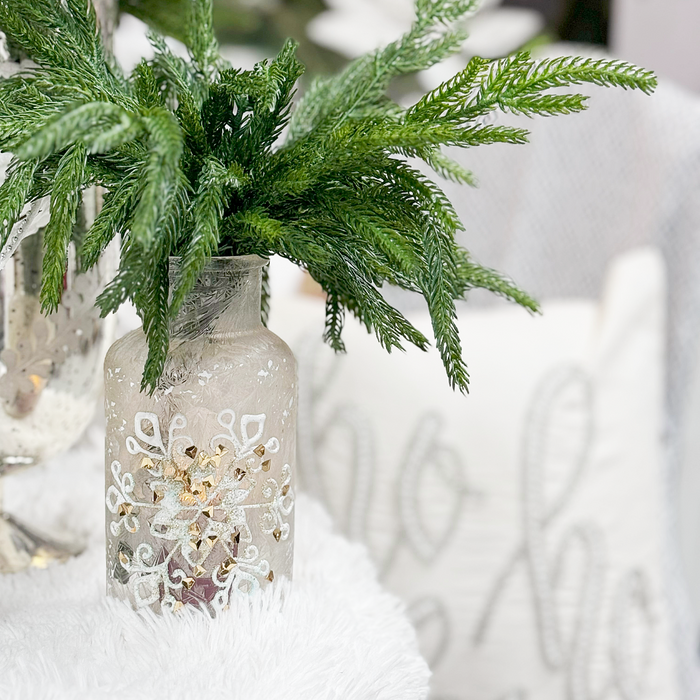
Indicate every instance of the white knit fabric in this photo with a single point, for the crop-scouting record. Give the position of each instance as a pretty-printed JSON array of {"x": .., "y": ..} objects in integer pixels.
[
  {"x": 553, "y": 213},
  {"x": 337, "y": 635},
  {"x": 522, "y": 524}
]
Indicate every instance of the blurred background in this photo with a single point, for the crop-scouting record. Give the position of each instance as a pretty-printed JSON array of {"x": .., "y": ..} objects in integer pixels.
[
  {"x": 660, "y": 34},
  {"x": 555, "y": 213}
]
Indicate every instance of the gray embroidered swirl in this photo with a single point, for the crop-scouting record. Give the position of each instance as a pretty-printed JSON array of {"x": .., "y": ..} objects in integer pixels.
[
  {"x": 425, "y": 451},
  {"x": 632, "y": 593}
]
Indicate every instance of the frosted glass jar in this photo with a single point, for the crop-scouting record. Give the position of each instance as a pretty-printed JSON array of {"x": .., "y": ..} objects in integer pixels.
[{"x": 199, "y": 476}]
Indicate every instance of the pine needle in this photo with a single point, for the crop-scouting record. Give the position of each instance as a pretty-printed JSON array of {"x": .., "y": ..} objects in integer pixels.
[
  {"x": 201, "y": 159},
  {"x": 65, "y": 200}
]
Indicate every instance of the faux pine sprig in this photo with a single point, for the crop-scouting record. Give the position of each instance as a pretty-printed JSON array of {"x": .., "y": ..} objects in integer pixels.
[{"x": 199, "y": 159}]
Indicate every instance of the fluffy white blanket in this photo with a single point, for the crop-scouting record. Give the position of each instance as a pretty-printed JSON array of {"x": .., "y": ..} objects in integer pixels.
[{"x": 335, "y": 635}]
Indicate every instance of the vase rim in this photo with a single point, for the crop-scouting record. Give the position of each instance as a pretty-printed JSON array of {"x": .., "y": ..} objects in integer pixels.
[{"x": 240, "y": 262}]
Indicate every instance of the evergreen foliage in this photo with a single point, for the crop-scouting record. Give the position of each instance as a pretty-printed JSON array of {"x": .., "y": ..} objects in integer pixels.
[{"x": 195, "y": 163}]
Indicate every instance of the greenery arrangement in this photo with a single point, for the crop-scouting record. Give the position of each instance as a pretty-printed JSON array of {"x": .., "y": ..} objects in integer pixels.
[{"x": 200, "y": 159}]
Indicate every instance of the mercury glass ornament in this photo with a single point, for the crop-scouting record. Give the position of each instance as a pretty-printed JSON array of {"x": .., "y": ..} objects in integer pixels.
[
  {"x": 50, "y": 377},
  {"x": 200, "y": 490}
]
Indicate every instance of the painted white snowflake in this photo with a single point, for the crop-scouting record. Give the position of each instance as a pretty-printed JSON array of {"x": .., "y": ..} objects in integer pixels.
[{"x": 198, "y": 510}]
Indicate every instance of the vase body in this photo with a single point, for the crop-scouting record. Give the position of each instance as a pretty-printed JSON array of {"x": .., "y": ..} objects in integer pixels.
[{"x": 199, "y": 475}]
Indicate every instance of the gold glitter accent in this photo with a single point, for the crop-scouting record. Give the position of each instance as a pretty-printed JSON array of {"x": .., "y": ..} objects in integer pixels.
[
  {"x": 285, "y": 489},
  {"x": 238, "y": 474},
  {"x": 221, "y": 450},
  {"x": 196, "y": 544},
  {"x": 236, "y": 537},
  {"x": 169, "y": 470},
  {"x": 123, "y": 559},
  {"x": 277, "y": 534},
  {"x": 188, "y": 582},
  {"x": 209, "y": 511},
  {"x": 199, "y": 571},
  {"x": 209, "y": 481},
  {"x": 266, "y": 465},
  {"x": 199, "y": 491},
  {"x": 146, "y": 463},
  {"x": 194, "y": 529},
  {"x": 271, "y": 576},
  {"x": 227, "y": 565},
  {"x": 187, "y": 499},
  {"x": 157, "y": 497},
  {"x": 191, "y": 451},
  {"x": 125, "y": 509},
  {"x": 211, "y": 540},
  {"x": 215, "y": 459},
  {"x": 178, "y": 605},
  {"x": 259, "y": 450},
  {"x": 37, "y": 381}
]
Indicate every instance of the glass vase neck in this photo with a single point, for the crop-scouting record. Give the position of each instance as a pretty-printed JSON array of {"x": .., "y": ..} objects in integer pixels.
[{"x": 225, "y": 299}]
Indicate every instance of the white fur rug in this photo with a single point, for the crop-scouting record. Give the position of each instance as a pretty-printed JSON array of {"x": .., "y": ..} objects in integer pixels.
[{"x": 337, "y": 636}]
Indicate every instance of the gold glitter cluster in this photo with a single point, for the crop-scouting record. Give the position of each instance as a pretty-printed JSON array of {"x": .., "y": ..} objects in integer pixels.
[
  {"x": 196, "y": 483},
  {"x": 194, "y": 478}
]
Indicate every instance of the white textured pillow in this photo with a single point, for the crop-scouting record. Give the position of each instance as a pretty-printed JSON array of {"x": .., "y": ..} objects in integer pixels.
[{"x": 522, "y": 523}]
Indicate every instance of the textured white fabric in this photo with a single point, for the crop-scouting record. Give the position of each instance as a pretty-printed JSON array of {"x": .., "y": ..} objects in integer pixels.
[
  {"x": 338, "y": 635},
  {"x": 553, "y": 214},
  {"x": 522, "y": 524}
]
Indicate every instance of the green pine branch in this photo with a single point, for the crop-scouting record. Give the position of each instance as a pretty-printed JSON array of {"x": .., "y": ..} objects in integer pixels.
[
  {"x": 207, "y": 212},
  {"x": 200, "y": 159},
  {"x": 14, "y": 193},
  {"x": 65, "y": 200}
]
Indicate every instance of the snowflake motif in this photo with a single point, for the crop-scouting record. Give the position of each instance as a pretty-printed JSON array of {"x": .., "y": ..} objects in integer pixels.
[{"x": 200, "y": 500}]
